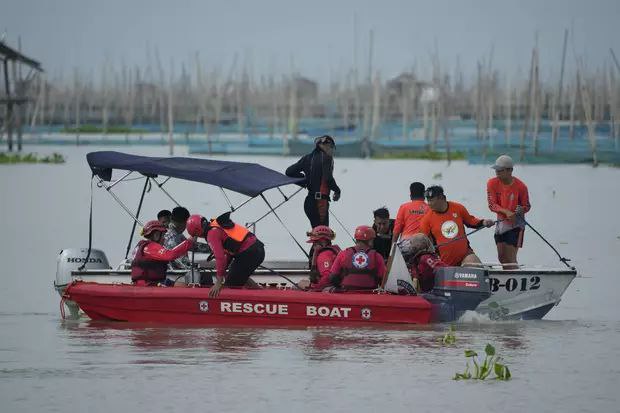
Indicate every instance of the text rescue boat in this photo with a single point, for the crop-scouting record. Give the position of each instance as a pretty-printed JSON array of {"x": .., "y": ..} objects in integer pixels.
[{"x": 282, "y": 309}]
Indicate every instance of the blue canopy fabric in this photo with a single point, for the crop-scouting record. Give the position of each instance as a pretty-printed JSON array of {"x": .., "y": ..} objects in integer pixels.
[{"x": 250, "y": 179}]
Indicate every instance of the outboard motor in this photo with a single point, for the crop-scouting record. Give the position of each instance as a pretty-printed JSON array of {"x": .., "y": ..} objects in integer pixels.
[
  {"x": 71, "y": 259},
  {"x": 458, "y": 289}
]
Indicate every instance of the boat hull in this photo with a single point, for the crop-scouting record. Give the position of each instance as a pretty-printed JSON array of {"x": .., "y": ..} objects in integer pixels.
[
  {"x": 267, "y": 307},
  {"x": 526, "y": 293}
]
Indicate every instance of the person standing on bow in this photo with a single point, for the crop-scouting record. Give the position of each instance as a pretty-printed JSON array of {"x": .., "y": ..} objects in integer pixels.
[
  {"x": 317, "y": 168},
  {"x": 509, "y": 199},
  {"x": 445, "y": 224},
  {"x": 234, "y": 248},
  {"x": 359, "y": 267},
  {"x": 150, "y": 258}
]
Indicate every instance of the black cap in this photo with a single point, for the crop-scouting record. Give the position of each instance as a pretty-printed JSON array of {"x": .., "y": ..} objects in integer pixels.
[
  {"x": 324, "y": 139},
  {"x": 433, "y": 191}
]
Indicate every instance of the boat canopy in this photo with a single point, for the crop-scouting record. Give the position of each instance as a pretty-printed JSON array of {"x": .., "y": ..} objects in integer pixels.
[{"x": 250, "y": 179}]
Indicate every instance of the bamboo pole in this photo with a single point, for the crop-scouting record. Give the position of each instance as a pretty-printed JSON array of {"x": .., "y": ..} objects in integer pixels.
[
  {"x": 587, "y": 110},
  {"x": 508, "y": 112},
  {"x": 536, "y": 99},
  {"x": 170, "y": 111},
  {"x": 557, "y": 112},
  {"x": 528, "y": 100},
  {"x": 376, "y": 107},
  {"x": 77, "y": 96}
]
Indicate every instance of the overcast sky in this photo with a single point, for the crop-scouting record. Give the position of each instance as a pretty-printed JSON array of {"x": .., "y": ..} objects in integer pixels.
[{"x": 316, "y": 37}]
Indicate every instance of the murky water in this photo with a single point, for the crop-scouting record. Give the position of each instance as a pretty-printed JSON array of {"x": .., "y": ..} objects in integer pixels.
[{"x": 568, "y": 362}]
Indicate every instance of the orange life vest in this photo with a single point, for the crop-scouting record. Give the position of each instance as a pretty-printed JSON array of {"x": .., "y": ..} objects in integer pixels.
[{"x": 235, "y": 236}]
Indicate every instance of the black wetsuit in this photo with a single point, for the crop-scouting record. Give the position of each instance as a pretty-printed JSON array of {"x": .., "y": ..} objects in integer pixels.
[{"x": 316, "y": 167}]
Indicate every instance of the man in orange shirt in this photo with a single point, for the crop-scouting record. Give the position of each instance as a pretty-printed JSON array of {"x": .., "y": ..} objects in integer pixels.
[
  {"x": 509, "y": 198},
  {"x": 445, "y": 225},
  {"x": 410, "y": 213}
]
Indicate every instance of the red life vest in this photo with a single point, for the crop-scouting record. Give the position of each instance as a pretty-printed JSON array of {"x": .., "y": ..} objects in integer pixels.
[
  {"x": 359, "y": 270},
  {"x": 315, "y": 274},
  {"x": 143, "y": 268},
  {"x": 423, "y": 268},
  {"x": 234, "y": 236}
]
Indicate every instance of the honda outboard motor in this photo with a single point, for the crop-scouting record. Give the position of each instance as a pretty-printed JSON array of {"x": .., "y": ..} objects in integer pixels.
[
  {"x": 457, "y": 289},
  {"x": 71, "y": 259}
]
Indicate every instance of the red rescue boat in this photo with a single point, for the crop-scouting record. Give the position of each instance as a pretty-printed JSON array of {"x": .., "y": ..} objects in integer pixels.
[{"x": 267, "y": 307}]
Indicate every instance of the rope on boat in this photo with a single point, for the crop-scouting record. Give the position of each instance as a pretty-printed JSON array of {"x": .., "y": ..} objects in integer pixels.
[
  {"x": 343, "y": 227},
  {"x": 563, "y": 259},
  {"x": 62, "y": 307},
  {"x": 285, "y": 227},
  {"x": 90, "y": 226},
  {"x": 468, "y": 234},
  {"x": 281, "y": 275}
]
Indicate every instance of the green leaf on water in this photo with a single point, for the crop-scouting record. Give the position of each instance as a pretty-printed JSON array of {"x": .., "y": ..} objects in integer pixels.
[
  {"x": 470, "y": 353},
  {"x": 490, "y": 350}
]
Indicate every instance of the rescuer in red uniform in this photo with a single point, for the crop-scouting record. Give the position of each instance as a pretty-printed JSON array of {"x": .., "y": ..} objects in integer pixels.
[
  {"x": 150, "y": 258},
  {"x": 234, "y": 247},
  {"x": 323, "y": 256},
  {"x": 359, "y": 267}
]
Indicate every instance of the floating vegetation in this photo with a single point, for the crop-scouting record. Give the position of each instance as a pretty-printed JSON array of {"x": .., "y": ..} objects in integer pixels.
[
  {"x": 86, "y": 129},
  {"x": 428, "y": 155},
  {"x": 449, "y": 338},
  {"x": 437, "y": 175},
  {"x": 491, "y": 364},
  {"x": 13, "y": 158},
  {"x": 497, "y": 312}
]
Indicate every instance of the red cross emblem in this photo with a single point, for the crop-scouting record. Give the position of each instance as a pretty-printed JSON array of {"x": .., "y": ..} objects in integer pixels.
[
  {"x": 366, "y": 313},
  {"x": 204, "y": 306},
  {"x": 360, "y": 260}
]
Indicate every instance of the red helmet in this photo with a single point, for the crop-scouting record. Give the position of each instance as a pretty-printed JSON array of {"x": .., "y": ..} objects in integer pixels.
[
  {"x": 321, "y": 232},
  {"x": 364, "y": 233},
  {"x": 194, "y": 225},
  {"x": 153, "y": 226}
]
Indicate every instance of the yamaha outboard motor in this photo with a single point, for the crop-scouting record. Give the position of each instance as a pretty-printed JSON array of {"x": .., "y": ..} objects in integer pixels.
[
  {"x": 71, "y": 259},
  {"x": 457, "y": 289}
]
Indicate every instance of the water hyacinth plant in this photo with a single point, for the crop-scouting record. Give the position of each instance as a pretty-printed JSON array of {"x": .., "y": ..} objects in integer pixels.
[
  {"x": 14, "y": 158},
  {"x": 449, "y": 338},
  {"x": 491, "y": 364}
]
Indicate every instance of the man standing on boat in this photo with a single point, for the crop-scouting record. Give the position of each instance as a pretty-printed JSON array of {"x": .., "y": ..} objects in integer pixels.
[
  {"x": 317, "y": 168},
  {"x": 234, "y": 247},
  {"x": 410, "y": 213},
  {"x": 445, "y": 225},
  {"x": 508, "y": 197},
  {"x": 150, "y": 258}
]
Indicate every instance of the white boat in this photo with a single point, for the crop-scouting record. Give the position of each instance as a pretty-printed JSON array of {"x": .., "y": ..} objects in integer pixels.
[{"x": 523, "y": 293}]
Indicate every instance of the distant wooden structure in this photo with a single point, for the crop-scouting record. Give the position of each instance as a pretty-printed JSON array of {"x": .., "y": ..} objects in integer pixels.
[{"x": 15, "y": 90}]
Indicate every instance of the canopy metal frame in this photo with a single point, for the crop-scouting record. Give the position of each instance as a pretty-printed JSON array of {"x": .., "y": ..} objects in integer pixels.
[{"x": 148, "y": 179}]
